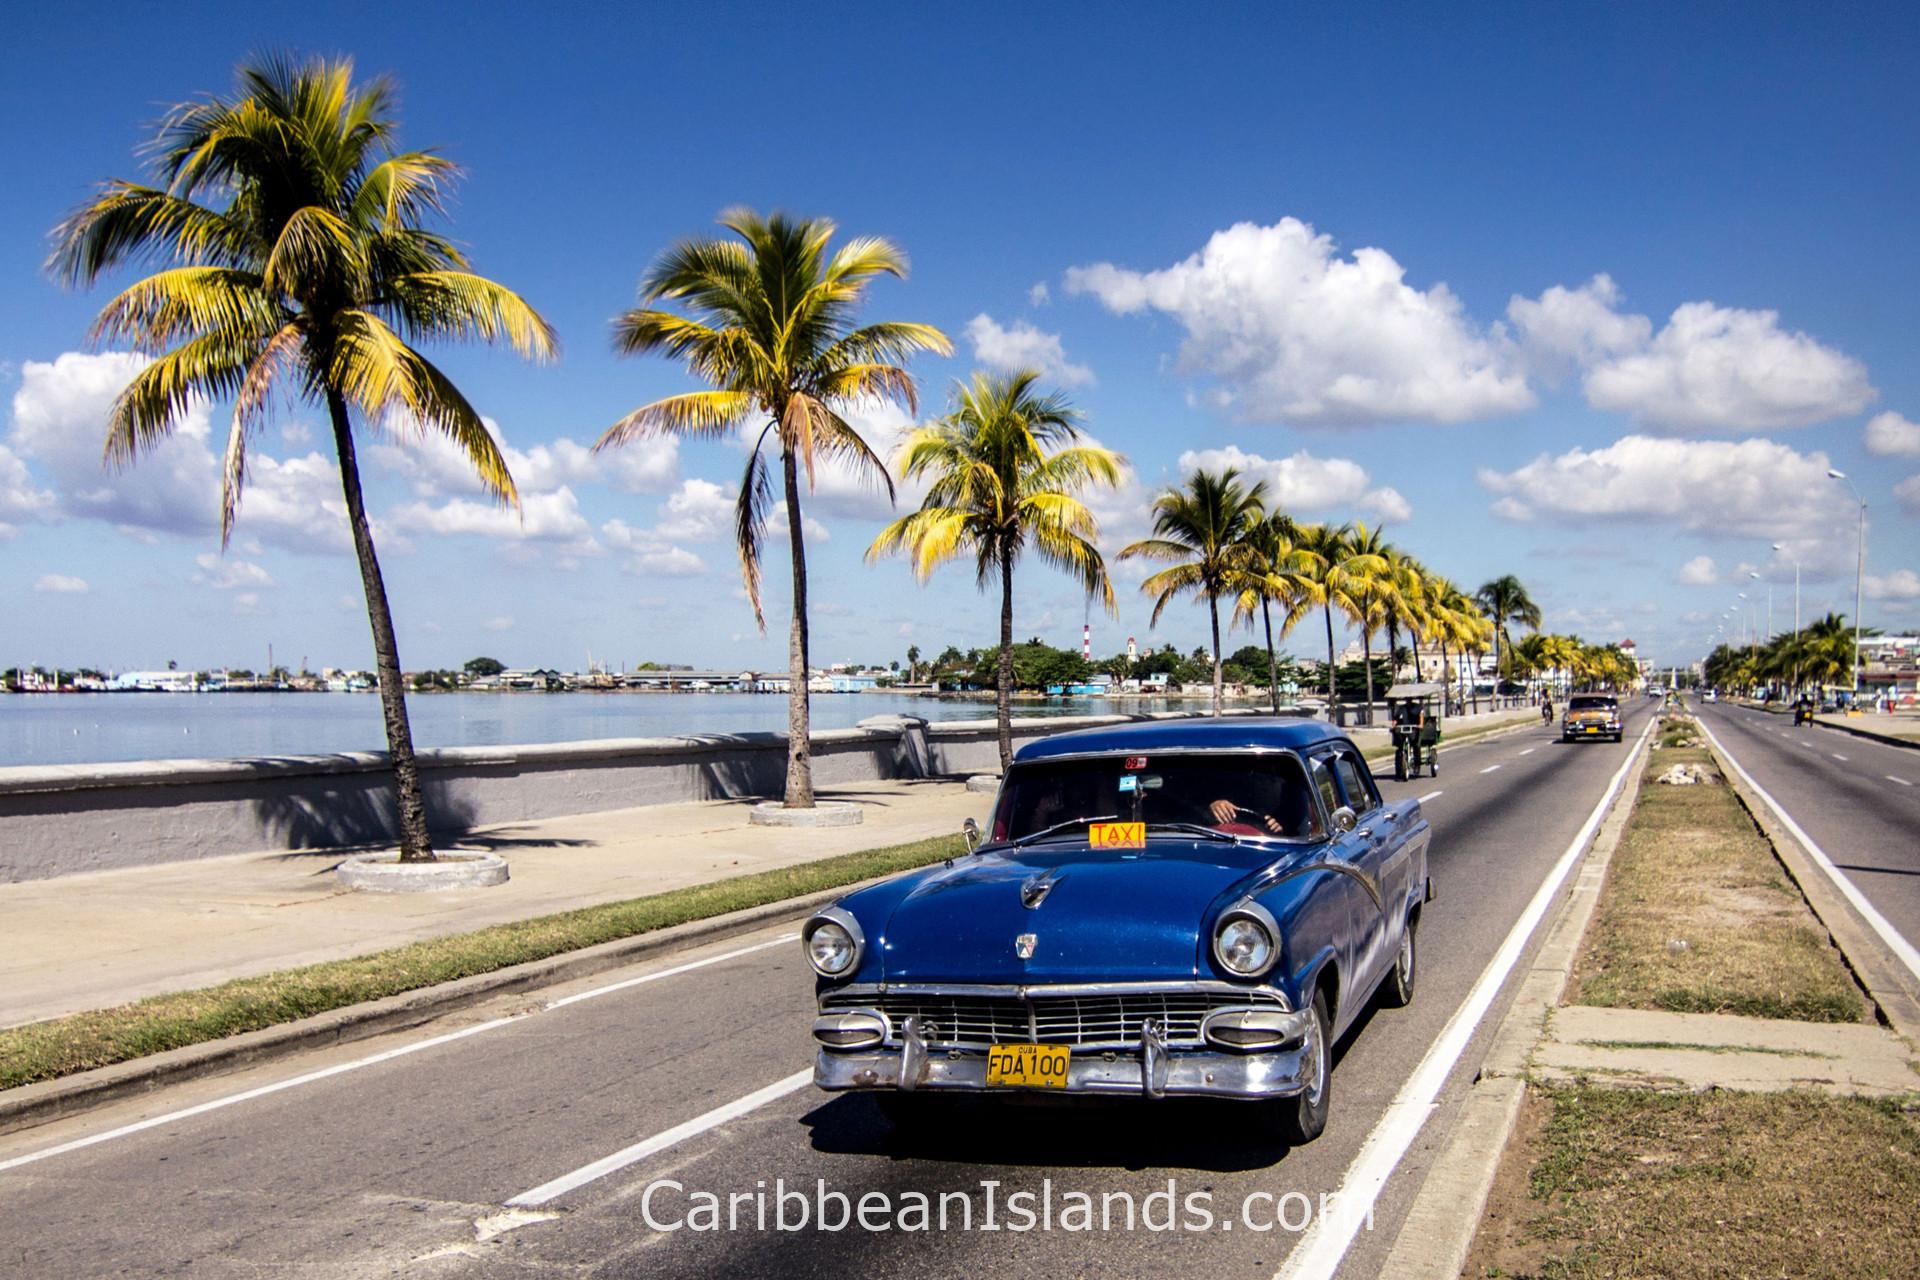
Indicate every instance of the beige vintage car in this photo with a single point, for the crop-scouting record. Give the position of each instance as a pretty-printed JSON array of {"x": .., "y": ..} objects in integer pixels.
[{"x": 1591, "y": 715}]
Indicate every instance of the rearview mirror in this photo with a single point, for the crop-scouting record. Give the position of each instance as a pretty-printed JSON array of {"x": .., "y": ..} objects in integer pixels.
[
  {"x": 1345, "y": 819},
  {"x": 970, "y": 832}
]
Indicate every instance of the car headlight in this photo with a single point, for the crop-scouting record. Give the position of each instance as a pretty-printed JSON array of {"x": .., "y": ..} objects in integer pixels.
[
  {"x": 1246, "y": 943},
  {"x": 833, "y": 943}
]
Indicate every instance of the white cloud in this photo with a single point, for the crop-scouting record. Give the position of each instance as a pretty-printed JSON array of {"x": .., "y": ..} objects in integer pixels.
[
  {"x": 1901, "y": 584},
  {"x": 1294, "y": 333},
  {"x": 840, "y": 489},
  {"x": 812, "y": 529},
  {"x": 246, "y": 604},
  {"x": 61, "y": 584},
  {"x": 20, "y": 497},
  {"x": 1022, "y": 346},
  {"x": 60, "y": 422},
  {"x": 437, "y": 467},
  {"x": 1891, "y": 436},
  {"x": 649, "y": 553},
  {"x": 1746, "y": 488},
  {"x": 1723, "y": 369},
  {"x": 1305, "y": 483},
  {"x": 1039, "y": 295},
  {"x": 698, "y": 511},
  {"x": 501, "y": 622},
  {"x": 225, "y": 575},
  {"x": 296, "y": 432},
  {"x": 295, "y": 503},
  {"x": 1567, "y": 328},
  {"x": 1699, "y": 572},
  {"x": 542, "y": 517},
  {"x": 1908, "y": 494}
]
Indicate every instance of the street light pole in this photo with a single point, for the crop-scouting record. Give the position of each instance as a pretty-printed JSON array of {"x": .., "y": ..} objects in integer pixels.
[{"x": 1859, "y": 571}]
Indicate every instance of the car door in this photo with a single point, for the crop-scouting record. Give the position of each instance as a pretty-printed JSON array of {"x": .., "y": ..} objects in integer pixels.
[
  {"x": 1379, "y": 852},
  {"x": 1359, "y": 890}
]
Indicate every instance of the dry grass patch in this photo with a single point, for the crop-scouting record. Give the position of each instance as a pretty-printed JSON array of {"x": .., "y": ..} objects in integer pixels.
[
  {"x": 1699, "y": 917},
  {"x": 1612, "y": 1182},
  {"x": 83, "y": 1041}
]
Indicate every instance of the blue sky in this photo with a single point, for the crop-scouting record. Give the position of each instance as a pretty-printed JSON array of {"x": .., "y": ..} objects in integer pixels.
[{"x": 1593, "y": 301}]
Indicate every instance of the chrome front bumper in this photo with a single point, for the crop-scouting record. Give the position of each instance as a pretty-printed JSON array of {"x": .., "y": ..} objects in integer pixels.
[{"x": 1172, "y": 1073}]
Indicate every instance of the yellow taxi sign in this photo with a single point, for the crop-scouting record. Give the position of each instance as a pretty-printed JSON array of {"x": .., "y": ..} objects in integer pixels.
[{"x": 1117, "y": 835}]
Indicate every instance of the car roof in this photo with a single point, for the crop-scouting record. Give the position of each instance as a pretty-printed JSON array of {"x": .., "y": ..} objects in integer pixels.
[{"x": 1228, "y": 733}]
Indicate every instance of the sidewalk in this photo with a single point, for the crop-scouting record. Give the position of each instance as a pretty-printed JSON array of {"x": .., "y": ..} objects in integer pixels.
[
  {"x": 1899, "y": 728},
  {"x": 95, "y": 940}
]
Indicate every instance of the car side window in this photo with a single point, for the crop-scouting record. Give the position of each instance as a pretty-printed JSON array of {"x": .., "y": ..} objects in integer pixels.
[{"x": 1361, "y": 797}]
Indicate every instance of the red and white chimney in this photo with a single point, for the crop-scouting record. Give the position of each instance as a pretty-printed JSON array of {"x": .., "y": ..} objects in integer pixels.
[{"x": 1086, "y": 641}]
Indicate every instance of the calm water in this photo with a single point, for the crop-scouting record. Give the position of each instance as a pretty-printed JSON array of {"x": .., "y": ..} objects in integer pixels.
[{"x": 83, "y": 728}]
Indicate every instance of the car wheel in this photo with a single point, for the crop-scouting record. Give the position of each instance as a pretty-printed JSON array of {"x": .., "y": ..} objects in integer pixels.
[
  {"x": 1303, "y": 1118},
  {"x": 1397, "y": 991}
]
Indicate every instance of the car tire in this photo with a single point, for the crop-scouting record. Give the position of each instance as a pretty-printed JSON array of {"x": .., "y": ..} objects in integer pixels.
[
  {"x": 1397, "y": 991},
  {"x": 1302, "y": 1118}
]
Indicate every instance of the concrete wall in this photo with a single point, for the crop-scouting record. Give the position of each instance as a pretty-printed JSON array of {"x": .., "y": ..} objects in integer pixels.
[{"x": 72, "y": 818}]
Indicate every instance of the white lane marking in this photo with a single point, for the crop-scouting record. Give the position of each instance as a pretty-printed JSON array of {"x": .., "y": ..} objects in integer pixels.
[
  {"x": 250, "y": 1094},
  {"x": 659, "y": 1142},
  {"x": 1529, "y": 751},
  {"x": 1836, "y": 755},
  {"x": 374, "y": 1059},
  {"x": 1490, "y": 768},
  {"x": 1435, "y": 795},
  {"x": 1326, "y": 1242},
  {"x": 1902, "y": 781},
  {"x": 1895, "y": 941},
  {"x": 677, "y": 970}
]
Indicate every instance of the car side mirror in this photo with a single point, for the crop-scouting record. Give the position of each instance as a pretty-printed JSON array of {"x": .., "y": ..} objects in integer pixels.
[
  {"x": 970, "y": 832},
  {"x": 1345, "y": 819}
]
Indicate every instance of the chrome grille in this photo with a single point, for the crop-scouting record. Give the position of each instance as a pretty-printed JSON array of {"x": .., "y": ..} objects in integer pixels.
[{"x": 959, "y": 1020}]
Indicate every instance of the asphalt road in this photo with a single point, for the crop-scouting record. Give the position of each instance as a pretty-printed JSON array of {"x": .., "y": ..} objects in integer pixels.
[
  {"x": 1859, "y": 799},
  {"x": 386, "y": 1168}
]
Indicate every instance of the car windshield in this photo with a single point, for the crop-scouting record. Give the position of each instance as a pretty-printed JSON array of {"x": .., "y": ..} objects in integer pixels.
[
  {"x": 1243, "y": 794},
  {"x": 1591, "y": 704}
]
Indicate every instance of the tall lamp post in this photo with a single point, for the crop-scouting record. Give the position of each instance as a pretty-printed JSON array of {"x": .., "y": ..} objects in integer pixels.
[
  {"x": 1780, "y": 546},
  {"x": 1859, "y": 568}
]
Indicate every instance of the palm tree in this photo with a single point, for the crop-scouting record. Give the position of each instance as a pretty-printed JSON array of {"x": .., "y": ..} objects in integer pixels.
[
  {"x": 1201, "y": 533},
  {"x": 771, "y": 327},
  {"x": 1270, "y": 576},
  {"x": 1374, "y": 591},
  {"x": 1005, "y": 473},
  {"x": 303, "y": 265},
  {"x": 1506, "y": 600}
]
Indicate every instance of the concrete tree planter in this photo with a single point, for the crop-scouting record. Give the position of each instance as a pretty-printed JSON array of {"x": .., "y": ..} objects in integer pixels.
[
  {"x": 825, "y": 813},
  {"x": 385, "y": 873},
  {"x": 987, "y": 782}
]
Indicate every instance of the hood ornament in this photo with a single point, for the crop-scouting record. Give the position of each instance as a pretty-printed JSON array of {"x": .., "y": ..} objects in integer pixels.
[
  {"x": 1035, "y": 890},
  {"x": 1024, "y": 944}
]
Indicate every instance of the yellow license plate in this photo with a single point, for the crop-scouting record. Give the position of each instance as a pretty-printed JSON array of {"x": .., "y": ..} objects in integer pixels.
[
  {"x": 1027, "y": 1066},
  {"x": 1117, "y": 835}
]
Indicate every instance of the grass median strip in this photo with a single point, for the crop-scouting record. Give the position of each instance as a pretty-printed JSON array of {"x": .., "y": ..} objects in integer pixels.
[
  {"x": 1608, "y": 1182},
  {"x": 1698, "y": 915},
  {"x": 98, "y": 1038}
]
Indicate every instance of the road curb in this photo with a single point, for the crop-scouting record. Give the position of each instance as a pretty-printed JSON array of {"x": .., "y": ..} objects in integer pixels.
[
  {"x": 1886, "y": 983},
  {"x": 1869, "y": 735},
  {"x": 27, "y": 1106},
  {"x": 1438, "y": 1231}
]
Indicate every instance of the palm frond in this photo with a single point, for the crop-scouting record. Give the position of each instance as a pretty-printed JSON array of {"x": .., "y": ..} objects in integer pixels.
[
  {"x": 459, "y": 304},
  {"x": 696, "y": 415}
]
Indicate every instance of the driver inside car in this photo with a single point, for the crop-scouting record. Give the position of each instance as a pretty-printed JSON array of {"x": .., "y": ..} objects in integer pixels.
[{"x": 1284, "y": 811}]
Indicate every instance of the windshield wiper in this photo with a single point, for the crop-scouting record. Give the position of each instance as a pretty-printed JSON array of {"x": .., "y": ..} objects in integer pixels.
[
  {"x": 1057, "y": 827},
  {"x": 1194, "y": 829}
]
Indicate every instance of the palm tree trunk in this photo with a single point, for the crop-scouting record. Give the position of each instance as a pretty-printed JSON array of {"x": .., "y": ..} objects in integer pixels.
[
  {"x": 1003, "y": 699},
  {"x": 1413, "y": 639},
  {"x": 799, "y": 731},
  {"x": 1273, "y": 663},
  {"x": 1366, "y": 661},
  {"x": 1331, "y": 699},
  {"x": 1213, "y": 613},
  {"x": 415, "y": 845}
]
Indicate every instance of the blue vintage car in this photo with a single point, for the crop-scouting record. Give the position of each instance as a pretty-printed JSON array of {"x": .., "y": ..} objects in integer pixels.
[{"x": 1177, "y": 908}]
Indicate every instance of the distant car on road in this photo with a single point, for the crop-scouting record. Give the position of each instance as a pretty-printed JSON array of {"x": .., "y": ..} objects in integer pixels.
[
  {"x": 1197, "y": 908},
  {"x": 1591, "y": 715},
  {"x": 1710, "y": 696}
]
